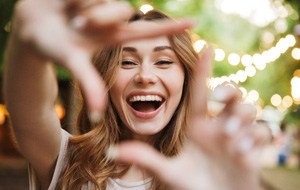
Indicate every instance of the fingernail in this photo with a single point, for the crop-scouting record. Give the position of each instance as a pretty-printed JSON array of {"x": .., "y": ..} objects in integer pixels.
[
  {"x": 232, "y": 125},
  {"x": 189, "y": 21},
  {"x": 78, "y": 22},
  {"x": 112, "y": 152},
  {"x": 124, "y": 7},
  {"x": 214, "y": 107},
  {"x": 95, "y": 117},
  {"x": 219, "y": 94},
  {"x": 125, "y": 4},
  {"x": 245, "y": 145},
  {"x": 194, "y": 22}
]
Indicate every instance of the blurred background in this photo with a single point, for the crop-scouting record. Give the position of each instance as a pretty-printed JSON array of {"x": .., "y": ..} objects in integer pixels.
[{"x": 257, "y": 47}]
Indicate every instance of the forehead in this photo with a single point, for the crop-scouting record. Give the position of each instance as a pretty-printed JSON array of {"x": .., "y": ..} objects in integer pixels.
[{"x": 147, "y": 42}]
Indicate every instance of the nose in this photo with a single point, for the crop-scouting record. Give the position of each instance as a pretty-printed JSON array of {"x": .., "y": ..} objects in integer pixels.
[{"x": 145, "y": 76}]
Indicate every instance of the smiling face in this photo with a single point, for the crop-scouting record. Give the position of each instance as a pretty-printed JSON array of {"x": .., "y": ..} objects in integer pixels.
[{"x": 148, "y": 86}]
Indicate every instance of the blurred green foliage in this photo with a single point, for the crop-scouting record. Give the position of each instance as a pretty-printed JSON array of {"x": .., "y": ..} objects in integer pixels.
[
  {"x": 229, "y": 32},
  {"x": 6, "y": 9}
]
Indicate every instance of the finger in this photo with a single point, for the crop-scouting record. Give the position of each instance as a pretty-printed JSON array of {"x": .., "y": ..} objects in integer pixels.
[
  {"x": 240, "y": 116},
  {"x": 247, "y": 150},
  {"x": 79, "y": 64},
  {"x": 217, "y": 100},
  {"x": 102, "y": 15},
  {"x": 226, "y": 130},
  {"x": 222, "y": 99},
  {"x": 76, "y": 6},
  {"x": 262, "y": 134},
  {"x": 225, "y": 93},
  {"x": 139, "y": 30},
  {"x": 230, "y": 127},
  {"x": 142, "y": 155},
  {"x": 199, "y": 84},
  {"x": 251, "y": 139},
  {"x": 201, "y": 131}
]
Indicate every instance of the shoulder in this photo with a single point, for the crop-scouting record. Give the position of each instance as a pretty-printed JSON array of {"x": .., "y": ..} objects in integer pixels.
[{"x": 62, "y": 158}]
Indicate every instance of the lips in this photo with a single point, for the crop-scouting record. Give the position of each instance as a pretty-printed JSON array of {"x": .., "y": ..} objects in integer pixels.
[{"x": 145, "y": 105}]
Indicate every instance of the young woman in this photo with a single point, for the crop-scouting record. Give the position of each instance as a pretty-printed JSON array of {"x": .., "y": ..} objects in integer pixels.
[{"x": 156, "y": 94}]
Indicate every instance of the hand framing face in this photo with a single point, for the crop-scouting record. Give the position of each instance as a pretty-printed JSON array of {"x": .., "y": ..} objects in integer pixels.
[
  {"x": 221, "y": 152},
  {"x": 69, "y": 32}
]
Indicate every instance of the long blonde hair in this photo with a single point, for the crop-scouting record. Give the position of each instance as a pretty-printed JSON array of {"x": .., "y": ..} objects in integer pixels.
[{"x": 86, "y": 152}]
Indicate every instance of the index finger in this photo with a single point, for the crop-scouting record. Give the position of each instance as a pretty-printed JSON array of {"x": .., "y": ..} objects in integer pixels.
[{"x": 140, "y": 30}]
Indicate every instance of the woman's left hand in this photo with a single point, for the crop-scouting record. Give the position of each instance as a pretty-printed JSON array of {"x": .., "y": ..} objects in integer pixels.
[{"x": 221, "y": 152}]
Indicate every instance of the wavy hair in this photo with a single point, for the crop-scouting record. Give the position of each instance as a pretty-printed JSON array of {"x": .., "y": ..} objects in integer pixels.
[{"x": 86, "y": 159}]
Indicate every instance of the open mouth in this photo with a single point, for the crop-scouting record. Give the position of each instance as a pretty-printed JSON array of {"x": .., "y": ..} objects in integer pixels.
[{"x": 146, "y": 103}]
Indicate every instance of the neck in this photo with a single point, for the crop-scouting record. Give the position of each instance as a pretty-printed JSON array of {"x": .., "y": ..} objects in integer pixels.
[
  {"x": 127, "y": 134},
  {"x": 135, "y": 173}
]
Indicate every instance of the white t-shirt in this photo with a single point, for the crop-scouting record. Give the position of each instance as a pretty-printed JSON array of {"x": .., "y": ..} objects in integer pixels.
[{"x": 112, "y": 184}]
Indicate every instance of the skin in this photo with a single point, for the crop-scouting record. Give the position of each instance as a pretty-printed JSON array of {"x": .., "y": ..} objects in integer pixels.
[
  {"x": 40, "y": 27},
  {"x": 213, "y": 158},
  {"x": 148, "y": 67}
]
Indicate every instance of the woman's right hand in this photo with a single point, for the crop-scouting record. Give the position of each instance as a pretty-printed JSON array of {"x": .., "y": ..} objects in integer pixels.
[{"x": 68, "y": 32}]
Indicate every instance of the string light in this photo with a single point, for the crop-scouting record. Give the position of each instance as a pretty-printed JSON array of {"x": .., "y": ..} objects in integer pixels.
[
  {"x": 287, "y": 101},
  {"x": 296, "y": 53},
  {"x": 250, "y": 71},
  {"x": 246, "y": 60},
  {"x": 234, "y": 59},
  {"x": 297, "y": 73},
  {"x": 198, "y": 45},
  {"x": 219, "y": 54},
  {"x": 254, "y": 95},
  {"x": 2, "y": 118},
  {"x": 60, "y": 111},
  {"x": 243, "y": 91},
  {"x": 242, "y": 76},
  {"x": 3, "y": 114},
  {"x": 146, "y": 8},
  {"x": 257, "y": 61},
  {"x": 260, "y": 16},
  {"x": 276, "y": 100},
  {"x": 291, "y": 40},
  {"x": 295, "y": 82}
]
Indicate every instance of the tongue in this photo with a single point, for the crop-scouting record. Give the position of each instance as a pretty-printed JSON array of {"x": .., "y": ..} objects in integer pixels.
[{"x": 144, "y": 106}]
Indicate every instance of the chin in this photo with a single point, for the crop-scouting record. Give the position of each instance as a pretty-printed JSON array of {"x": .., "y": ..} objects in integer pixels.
[{"x": 146, "y": 131}]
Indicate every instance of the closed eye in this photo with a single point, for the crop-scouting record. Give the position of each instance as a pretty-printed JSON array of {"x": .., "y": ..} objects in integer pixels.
[
  {"x": 164, "y": 62},
  {"x": 127, "y": 63}
]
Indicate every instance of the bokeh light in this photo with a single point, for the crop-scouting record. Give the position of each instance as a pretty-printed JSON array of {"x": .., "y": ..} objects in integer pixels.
[
  {"x": 296, "y": 53},
  {"x": 276, "y": 100},
  {"x": 234, "y": 59},
  {"x": 219, "y": 54},
  {"x": 146, "y": 7}
]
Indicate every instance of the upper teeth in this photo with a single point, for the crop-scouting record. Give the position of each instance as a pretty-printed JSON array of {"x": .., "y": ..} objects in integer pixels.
[{"x": 145, "y": 98}]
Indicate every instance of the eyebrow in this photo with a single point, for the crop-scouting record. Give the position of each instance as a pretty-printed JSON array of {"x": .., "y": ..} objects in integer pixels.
[
  {"x": 158, "y": 48},
  {"x": 129, "y": 49}
]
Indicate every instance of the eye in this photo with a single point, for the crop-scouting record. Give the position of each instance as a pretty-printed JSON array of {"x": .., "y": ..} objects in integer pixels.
[
  {"x": 127, "y": 63},
  {"x": 164, "y": 62}
]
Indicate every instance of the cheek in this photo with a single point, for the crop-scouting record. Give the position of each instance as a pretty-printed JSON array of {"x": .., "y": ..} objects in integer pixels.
[
  {"x": 175, "y": 83},
  {"x": 122, "y": 80},
  {"x": 117, "y": 91}
]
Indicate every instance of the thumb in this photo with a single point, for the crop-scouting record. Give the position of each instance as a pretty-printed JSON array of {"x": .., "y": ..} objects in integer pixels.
[
  {"x": 142, "y": 155},
  {"x": 199, "y": 84}
]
